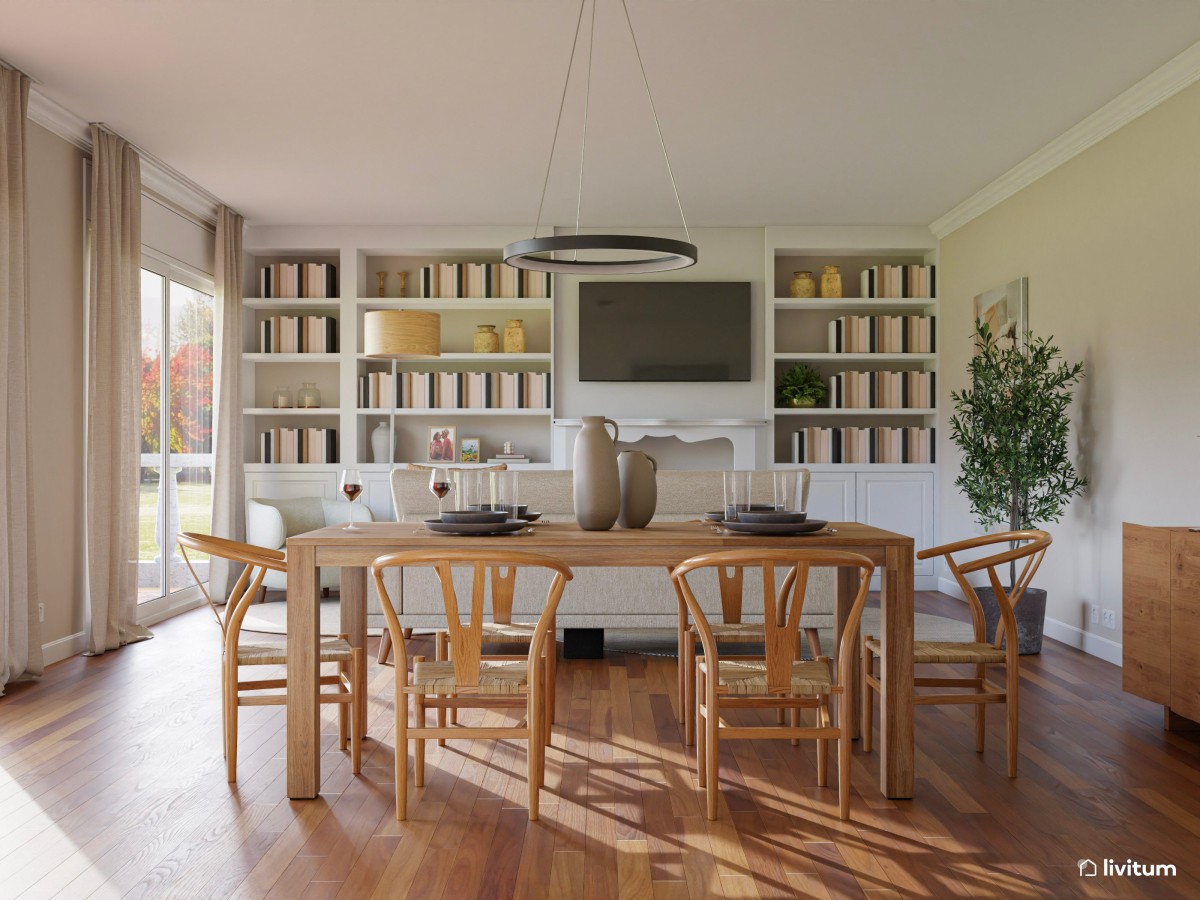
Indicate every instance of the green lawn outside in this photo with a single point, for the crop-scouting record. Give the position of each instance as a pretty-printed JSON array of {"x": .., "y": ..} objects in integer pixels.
[{"x": 195, "y": 512}]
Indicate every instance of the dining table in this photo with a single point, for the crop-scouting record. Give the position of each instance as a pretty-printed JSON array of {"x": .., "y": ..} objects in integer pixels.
[{"x": 662, "y": 544}]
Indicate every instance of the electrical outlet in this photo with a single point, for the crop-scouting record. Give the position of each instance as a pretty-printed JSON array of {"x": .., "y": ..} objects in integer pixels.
[
  {"x": 41, "y": 612},
  {"x": 1095, "y": 614},
  {"x": 1110, "y": 618}
]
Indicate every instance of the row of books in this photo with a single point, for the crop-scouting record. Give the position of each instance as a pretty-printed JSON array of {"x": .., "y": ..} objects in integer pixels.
[
  {"x": 883, "y": 334},
  {"x": 864, "y": 445},
  {"x": 298, "y": 334},
  {"x": 299, "y": 445},
  {"x": 297, "y": 280},
  {"x": 898, "y": 282},
  {"x": 882, "y": 390},
  {"x": 480, "y": 280},
  {"x": 454, "y": 390}
]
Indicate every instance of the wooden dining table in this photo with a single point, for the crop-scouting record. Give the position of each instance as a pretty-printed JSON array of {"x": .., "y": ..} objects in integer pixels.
[{"x": 663, "y": 544}]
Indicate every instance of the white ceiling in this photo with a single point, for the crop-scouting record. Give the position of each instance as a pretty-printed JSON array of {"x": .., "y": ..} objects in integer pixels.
[{"x": 774, "y": 111}]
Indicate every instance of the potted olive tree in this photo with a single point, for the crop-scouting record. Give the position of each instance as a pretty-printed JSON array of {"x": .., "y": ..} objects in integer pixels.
[
  {"x": 1011, "y": 425},
  {"x": 800, "y": 386}
]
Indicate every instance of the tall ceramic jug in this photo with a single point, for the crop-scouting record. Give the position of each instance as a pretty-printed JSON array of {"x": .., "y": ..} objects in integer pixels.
[
  {"x": 597, "y": 487},
  {"x": 639, "y": 488}
]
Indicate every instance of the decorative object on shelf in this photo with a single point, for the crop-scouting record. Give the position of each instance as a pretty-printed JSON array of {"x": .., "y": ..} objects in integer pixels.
[
  {"x": 800, "y": 387},
  {"x": 382, "y": 276},
  {"x": 1012, "y": 427},
  {"x": 382, "y": 440},
  {"x": 639, "y": 253},
  {"x": 308, "y": 397},
  {"x": 486, "y": 340},
  {"x": 639, "y": 488},
  {"x": 403, "y": 285},
  {"x": 802, "y": 286},
  {"x": 443, "y": 443},
  {"x": 514, "y": 336},
  {"x": 509, "y": 448},
  {"x": 597, "y": 481},
  {"x": 1004, "y": 310},
  {"x": 282, "y": 398},
  {"x": 402, "y": 334},
  {"x": 831, "y": 282},
  {"x": 468, "y": 450}
]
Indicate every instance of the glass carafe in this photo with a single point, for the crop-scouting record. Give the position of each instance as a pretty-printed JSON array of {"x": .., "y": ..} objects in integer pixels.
[
  {"x": 308, "y": 397},
  {"x": 282, "y": 398}
]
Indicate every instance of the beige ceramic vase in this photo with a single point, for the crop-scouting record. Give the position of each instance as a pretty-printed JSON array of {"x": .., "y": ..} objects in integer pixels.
[
  {"x": 597, "y": 481},
  {"x": 639, "y": 488},
  {"x": 802, "y": 286},
  {"x": 831, "y": 282},
  {"x": 514, "y": 336},
  {"x": 486, "y": 340}
]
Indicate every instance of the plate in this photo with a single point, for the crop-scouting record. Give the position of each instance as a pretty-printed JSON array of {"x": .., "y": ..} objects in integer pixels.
[
  {"x": 719, "y": 515},
  {"x": 775, "y": 517},
  {"x": 506, "y": 527},
  {"x": 473, "y": 517},
  {"x": 775, "y": 527}
]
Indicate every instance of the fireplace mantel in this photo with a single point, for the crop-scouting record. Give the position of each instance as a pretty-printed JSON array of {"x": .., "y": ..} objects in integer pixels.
[{"x": 747, "y": 436}]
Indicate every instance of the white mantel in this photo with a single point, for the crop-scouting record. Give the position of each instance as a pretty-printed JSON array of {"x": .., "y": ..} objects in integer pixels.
[{"x": 747, "y": 437}]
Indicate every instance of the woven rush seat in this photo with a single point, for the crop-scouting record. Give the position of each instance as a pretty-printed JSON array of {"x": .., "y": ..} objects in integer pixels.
[
  {"x": 736, "y": 632},
  {"x": 948, "y": 652},
  {"x": 331, "y": 650},
  {"x": 750, "y": 677},
  {"x": 494, "y": 678},
  {"x": 513, "y": 631}
]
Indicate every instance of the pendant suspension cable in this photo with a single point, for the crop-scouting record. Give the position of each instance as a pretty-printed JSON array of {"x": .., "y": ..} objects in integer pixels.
[
  {"x": 657, "y": 126},
  {"x": 558, "y": 122},
  {"x": 587, "y": 98}
]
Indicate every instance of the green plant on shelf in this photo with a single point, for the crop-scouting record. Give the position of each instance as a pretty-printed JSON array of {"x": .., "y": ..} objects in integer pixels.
[{"x": 800, "y": 387}]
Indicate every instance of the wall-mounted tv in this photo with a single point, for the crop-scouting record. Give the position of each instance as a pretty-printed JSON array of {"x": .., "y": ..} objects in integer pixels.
[{"x": 664, "y": 331}]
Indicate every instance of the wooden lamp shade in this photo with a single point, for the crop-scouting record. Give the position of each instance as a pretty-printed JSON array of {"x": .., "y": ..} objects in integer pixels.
[{"x": 402, "y": 334}]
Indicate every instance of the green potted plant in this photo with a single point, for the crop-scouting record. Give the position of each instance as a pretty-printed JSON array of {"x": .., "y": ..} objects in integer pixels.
[
  {"x": 800, "y": 386},
  {"x": 1011, "y": 425}
]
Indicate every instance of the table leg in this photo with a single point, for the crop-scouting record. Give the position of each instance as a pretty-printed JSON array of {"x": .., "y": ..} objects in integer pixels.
[
  {"x": 896, "y": 674},
  {"x": 847, "y": 589},
  {"x": 353, "y": 608},
  {"x": 303, "y": 712}
]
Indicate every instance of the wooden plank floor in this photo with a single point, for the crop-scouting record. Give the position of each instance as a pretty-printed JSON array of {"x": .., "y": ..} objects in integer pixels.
[{"x": 112, "y": 784}]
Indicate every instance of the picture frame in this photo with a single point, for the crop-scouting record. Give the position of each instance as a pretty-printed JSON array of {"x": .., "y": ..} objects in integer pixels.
[
  {"x": 442, "y": 445},
  {"x": 468, "y": 450},
  {"x": 1006, "y": 311}
]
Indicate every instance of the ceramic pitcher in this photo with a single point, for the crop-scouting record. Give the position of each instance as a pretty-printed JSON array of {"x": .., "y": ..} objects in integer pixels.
[
  {"x": 639, "y": 488},
  {"x": 597, "y": 482}
]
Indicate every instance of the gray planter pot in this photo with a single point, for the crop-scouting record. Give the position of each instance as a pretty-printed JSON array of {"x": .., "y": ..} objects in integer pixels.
[{"x": 1030, "y": 613}]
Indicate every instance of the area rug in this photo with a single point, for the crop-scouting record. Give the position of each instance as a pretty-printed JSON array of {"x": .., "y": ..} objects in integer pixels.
[{"x": 271, "y": 618}]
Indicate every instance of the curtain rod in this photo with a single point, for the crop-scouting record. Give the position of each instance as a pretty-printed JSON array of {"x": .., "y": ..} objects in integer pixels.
[{"x": 5, "y": 62}]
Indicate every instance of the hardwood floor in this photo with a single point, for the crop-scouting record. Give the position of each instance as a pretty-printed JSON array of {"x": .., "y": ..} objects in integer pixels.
[{"x": 112, "y": 784}]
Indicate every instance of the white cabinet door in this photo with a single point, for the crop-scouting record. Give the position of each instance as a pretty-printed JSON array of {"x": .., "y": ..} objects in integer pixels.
[
  {"x": 286, "y": 485},
  {"x": 900, "y": 502},
  {"x": 831, "y": 496},
  {"x": 377, "y": 495}
]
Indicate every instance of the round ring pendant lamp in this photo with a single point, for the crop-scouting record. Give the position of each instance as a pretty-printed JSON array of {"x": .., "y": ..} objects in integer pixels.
[
  {"x": 402, "y": 334},
  {"x": 637, "y": 253}
]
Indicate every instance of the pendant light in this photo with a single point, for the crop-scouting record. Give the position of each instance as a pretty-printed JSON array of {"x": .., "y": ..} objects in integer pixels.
[{"x": 642, "y": 253}]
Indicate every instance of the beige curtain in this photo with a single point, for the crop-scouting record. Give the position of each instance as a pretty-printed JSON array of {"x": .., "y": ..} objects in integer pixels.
[
  {"x": 20, "y": 635},
  {"x": 228, "y": 503},
  {"x": 114, "y": 440}
]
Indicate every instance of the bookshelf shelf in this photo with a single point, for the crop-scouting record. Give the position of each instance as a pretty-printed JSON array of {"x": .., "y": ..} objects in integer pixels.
[
  {"x": 852, "y": 303},
  {"x": 483, "y": 358},
  {"x": 295, "y": 303},
  {"x": 438, "y": 413},
  {"x": 855, "y": 357},
  {"x": 453, "y": 304},
  {"x": 292, "y": 357},
  {"x": 291, "y": 411},
  {"x": 872, "y": 411}
]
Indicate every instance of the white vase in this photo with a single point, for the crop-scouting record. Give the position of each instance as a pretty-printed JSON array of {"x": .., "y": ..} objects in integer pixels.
[{"x": 381, "y": 441}]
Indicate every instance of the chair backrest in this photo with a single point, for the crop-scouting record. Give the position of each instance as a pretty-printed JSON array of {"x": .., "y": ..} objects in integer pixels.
[
  {"x": 256, "y": 562},
  {"x": 1027, "y": 545},
  {"x": 782, "y": 608},
  {"x": 466, "y": 635}
]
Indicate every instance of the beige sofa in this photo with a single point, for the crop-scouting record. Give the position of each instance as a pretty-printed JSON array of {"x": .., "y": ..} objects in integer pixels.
[
  {"x": 269, "y": 523},
  {"x": 608, "y": 597}
]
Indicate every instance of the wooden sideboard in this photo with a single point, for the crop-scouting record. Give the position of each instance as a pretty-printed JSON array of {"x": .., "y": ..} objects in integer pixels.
[{"x": 1161, "y": 613}]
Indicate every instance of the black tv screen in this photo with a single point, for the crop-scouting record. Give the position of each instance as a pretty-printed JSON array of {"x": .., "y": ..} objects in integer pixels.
[{"x": 664, "y": 331}]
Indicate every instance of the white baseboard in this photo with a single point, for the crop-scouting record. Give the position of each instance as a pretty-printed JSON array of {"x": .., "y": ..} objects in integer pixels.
[
  {"x": 1091, "y": 644},
  {"x": 163, "y": 615},
  {"x": 63, "y": 648},
  {"x": 950, "y": 586}
]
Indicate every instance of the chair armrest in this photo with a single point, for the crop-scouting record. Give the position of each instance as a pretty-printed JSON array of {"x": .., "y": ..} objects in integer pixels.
[{"x": 264, "y": 525}]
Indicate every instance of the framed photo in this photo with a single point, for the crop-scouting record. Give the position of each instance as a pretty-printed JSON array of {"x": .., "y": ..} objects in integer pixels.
[
  {"x": 1005, "y": 309},
  {"x": 443, "y": 446},
  {"x": 468, "y": 451}
]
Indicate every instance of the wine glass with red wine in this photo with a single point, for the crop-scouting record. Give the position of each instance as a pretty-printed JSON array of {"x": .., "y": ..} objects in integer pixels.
[
  {"x": 439, "y": 485},
  {"x": 352, "y": 486}
]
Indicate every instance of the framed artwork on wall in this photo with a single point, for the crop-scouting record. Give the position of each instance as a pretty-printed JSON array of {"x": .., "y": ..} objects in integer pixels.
[
  {"x": 442, "y": 444},
  {"x": 469, "y": 450},
  {"x": 1005, "y": 309}
]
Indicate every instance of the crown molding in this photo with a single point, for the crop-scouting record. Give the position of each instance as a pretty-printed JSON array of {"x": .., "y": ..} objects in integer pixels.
[
  {"x": 1161, "y": 84},
  {"x": 158, "y": 179}
]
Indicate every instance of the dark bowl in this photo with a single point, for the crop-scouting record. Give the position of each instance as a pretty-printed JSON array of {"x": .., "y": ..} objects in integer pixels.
[
  {"x": 473, "y": 517},
  {"x": 774, "y": 517},
  {"x": 517, "y": 513}
]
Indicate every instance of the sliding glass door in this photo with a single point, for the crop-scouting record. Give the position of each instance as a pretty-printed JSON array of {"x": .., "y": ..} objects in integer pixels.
[{"x": 175, "y": 488}]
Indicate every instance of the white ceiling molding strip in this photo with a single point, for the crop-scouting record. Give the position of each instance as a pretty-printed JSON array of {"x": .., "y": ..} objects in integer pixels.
[
  {"x": 1161, "y": 84},
  {"x": 158, "y": 179}
]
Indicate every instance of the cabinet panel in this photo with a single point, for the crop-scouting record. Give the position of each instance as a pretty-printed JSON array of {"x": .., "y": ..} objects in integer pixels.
[
  {"x": 831, "y": 496},
  {"x": 899, "y": 502},
  {"x": 286, "y": 485},
  {"x": 1185, "y": 624},
  {"x": 1146, "y": 612},
  {"x": 377, "y": 495}
]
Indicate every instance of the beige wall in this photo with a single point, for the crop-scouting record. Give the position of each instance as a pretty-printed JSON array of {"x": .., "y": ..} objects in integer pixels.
[
  {"x": 55, "y": 179},
  {"x": 1111, "y": 244}
]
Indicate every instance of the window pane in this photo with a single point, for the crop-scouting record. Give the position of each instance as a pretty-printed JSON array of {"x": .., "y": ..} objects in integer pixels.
[{"x": 149, "y": 557}]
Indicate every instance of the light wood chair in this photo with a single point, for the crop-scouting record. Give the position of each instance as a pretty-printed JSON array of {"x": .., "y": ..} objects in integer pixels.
[
  {"x": 351, "y": 677},
  {"x": 468, "y": 680},
  {"x": 978, "y": 653},
  {"x": 779, "y": 680}
]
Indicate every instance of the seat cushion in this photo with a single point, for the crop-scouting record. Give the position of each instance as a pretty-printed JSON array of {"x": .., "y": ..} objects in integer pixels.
[
  {"x": 948, "y": 652},
  {"x": 332, "y": 650},
  {"x": 808, "y": 677},
  {"x": 494, "y": 678}
]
